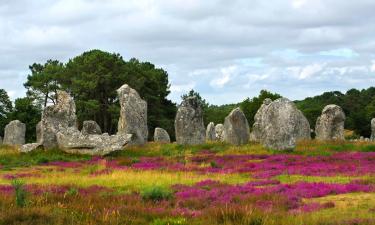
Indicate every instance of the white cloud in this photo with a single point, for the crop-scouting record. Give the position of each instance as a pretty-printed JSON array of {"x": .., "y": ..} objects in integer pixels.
[
  {"x": 310, "y": 70},
  {"x": 226, "y": 75},
  {"x": 372, "y": 68}
]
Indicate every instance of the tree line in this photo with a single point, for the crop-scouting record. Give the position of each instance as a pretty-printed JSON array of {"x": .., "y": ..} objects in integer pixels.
[{"x": 93, "y": 77}]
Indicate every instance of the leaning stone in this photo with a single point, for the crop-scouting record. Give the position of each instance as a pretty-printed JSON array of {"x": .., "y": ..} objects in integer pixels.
[
  {"x": 90, "y": 127},
  {"x": 72, "y": 141},
  {"x": 133, "y": 114},
  {"x": 330, "y": 125},
  {"x": 236, "y": 128},
  {"x": 56, "y": 118},
  {"x": 219, "y": 132},
  {"x": 14, "y": 133},
  {"x": 30, "y": 147},
  {"x": 161, "y": 136},
  {"x": 189, "y": 126},
  {"x": 210, "y": 132}
]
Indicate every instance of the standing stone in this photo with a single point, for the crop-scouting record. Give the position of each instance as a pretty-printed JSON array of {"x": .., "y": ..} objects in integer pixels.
[
  {"x": 279, "y": 125},
  {"x": 189, "y": 126},
  {"x": 161, "y": 136},
  {"x": 38, "y": 130},
  {"x": 58, "y": 117},
  {"x": 219, "y": 132},
  {"x": 236, "y": 128},
  {"x": 14, "y": 133},
  {"x": 133, "y": 114},
  {"x": 90, "y": 127},
  {"x": 210, "y": 132},
  {"x": 330, "y": 125},
  {"x": 373, "y": 129}
]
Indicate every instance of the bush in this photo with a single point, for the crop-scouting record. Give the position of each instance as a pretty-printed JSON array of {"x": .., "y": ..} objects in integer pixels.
[
  {"x": 156, "y": 193},
  {"x": 20, "y": 192}
]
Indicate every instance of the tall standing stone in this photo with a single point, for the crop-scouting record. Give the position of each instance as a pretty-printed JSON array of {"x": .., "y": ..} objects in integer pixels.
[
  {"x": 90, "y": 127},
  {"x": 330, "y": 125},
  {"x": 210, "y": 132},
  {"x": 161, "y": 136},
  {"x": 219, "y": 132},
  {"x": 279, "y": 125},
  {"x": 133, "y": 114},
  {"x": 373, "y": 129},
  {"x": 38, "y": 131},
  {"x": 56, "y": 118},
  {"x": 236, "y": 128},
  {"x": 189, "y": 126},
  {"x": 14, "y": 133}
]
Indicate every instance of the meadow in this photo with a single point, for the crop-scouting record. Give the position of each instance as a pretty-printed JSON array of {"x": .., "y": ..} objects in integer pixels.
[{"x": 215, "y": 183}]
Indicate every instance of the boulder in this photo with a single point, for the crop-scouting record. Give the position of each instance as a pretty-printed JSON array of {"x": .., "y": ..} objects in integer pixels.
[
  {"x": 30, "y": 147},
  {"x": 90, "y": 127},
  {"x": 236, "y": 128},
  {"x": 279, "y": 125},
  {"x": 56, "y": 118},
  {"x": 189, "y": 126},
  {"x": 133, "y": 114},
  {"x": 161, "y": 136},
  {"x": 219, "y": 132},
  {"x": 14, "y": 133},
  {"x": 38, "y": 130},
  {"x": 330, "y": 125},
  {"x": 210, "y": 132},
  {"x": 73, "y": 141},
  {"x": 373, "y": 129}
]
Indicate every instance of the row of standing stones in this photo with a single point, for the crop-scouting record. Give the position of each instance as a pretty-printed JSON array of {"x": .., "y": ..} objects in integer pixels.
[{"x": 278, "y": 125}]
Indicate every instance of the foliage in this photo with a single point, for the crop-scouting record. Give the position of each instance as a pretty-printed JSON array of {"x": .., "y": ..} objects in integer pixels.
[
  {"x": 156, "y": 193},
  {"x": 20, "y": 192},
  {"x": 5, "y": 109},
  {"x": 204, "y": 104}
]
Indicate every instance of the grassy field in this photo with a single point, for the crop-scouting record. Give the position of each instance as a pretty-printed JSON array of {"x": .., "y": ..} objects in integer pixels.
[{"x": 215, "y": 183}]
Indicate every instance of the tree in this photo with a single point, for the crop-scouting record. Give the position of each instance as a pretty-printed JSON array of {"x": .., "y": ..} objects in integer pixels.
[
  {"x": 44, "y": 81},
  {"x": 5, "y": 109},
  {"x": 26, "y": 111},
  {"x": 251, "y": 106},
  {"x": 193, "y": 93}
]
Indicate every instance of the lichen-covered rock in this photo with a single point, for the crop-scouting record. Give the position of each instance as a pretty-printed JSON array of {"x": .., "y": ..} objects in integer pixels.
[
  {"x": 161, "y": 136},
  {"x": 236, "y": 128},
  {"x": 56, "y": 118},
  {"x": 14, "y": 133},
  {"x": 133, "y": 115},
  {"x": 279, "y": 125},
  {"x": 258, "y": 126},
  {"x": 30, "y": 147},
  {"x": 38, "y": 131},
  {"x": 373, "y": 129},
  {"x": 219, "y": 132},
  {"x": 210, "y": 132},
  {"x": 73, "y": 141},
  {"x": 330, "y": 125},
  {"x": 90, "y": 127},
  {"x": 189, "y": 126}
]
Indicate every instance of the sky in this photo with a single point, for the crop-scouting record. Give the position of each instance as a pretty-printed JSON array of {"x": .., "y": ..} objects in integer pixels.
[{"x": 225, "y": 50}]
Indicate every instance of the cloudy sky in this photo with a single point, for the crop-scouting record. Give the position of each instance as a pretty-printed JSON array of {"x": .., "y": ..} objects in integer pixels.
[{"x": 226, "y": 50}]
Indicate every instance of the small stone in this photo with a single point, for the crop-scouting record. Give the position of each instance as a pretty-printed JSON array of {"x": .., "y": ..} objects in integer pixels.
[
  {"x": 90, "y": 127},
  {"x": 14, "y": 133},
  {"x": 330, "y": 125},
  {"x": 210, "y": 132},
  {"x": 236, "y": 128},
  {"x": 161, "y": 136},
  {"x": 219, "y": 132}
]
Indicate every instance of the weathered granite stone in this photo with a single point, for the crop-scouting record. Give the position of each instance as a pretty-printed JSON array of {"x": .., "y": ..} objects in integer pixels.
[
  {"x": 189, "y": 126},
  {"x": 73, "y": 141},
  {"x": 30, "y": 147},
  {"x": 258, "y": 126},
  {"x": 279, "y": 124},
  {"x": 236, "y": 128},
  {"x": 210, "y": 132},
  {"x": 373, "y": 129},
  {"x": 58, "y": 117},
  {"x": 14, "y": 133},
  {"x": 219, "y": 132},
  {"x": 133, "y": 115},
  {"x": 38, "y": 131},
  {"x": 161, "y": 136},
  {"x": 90, "y": 127},
  {"x": 330, "y": 125}
]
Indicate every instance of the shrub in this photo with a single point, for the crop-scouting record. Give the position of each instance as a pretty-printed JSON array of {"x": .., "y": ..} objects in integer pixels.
[
  {"x": 156, "y": 193},
  {"x": 20, "y": 192}
]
